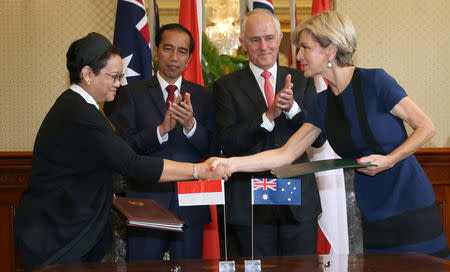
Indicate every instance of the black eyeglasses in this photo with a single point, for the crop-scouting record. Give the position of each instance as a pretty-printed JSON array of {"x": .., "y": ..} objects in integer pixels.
[{"x": 117, "y": 77}]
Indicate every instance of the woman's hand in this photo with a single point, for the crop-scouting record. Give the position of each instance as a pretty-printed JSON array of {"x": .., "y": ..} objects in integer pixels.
[
  {"x": 215, "y": 162},
  {"x": 205, "y": 171},
  {"x": 382, "y": 163}
]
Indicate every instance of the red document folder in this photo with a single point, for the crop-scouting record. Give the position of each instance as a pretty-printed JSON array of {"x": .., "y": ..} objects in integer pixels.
[{"x": 147, "y": 213}]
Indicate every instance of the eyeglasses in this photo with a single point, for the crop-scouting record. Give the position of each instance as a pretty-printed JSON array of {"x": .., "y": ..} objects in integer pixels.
[{"x": 117, "y": 77}]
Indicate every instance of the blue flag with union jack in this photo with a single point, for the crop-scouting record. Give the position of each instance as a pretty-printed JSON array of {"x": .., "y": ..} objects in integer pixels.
[
  {"x": 132, "y": 35},
  {"x": 270, "y": 191},
  {"x": 265, "y": 4}
]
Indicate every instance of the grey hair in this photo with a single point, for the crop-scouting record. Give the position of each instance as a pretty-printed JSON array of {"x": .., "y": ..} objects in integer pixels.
[
  {"x": 327, "y": 28},
  {"x": 260, "y": 11}
]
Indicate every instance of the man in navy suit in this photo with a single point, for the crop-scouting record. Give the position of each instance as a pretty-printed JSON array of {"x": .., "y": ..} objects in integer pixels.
[
  {"x": 259, "y": 108},
  {"x": 169, "y": 117}
]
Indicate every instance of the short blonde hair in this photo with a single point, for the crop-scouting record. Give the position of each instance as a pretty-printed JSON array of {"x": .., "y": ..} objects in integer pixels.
[{"x": 331, "y": 27}]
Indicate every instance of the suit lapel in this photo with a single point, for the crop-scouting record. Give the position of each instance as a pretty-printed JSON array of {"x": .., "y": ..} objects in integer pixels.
[
  {"x": 281, "y": 78},
  {"x": 251, "y": 88},
  {"x": 156, "y": 96},
  {"x": 184, "y": 88}
]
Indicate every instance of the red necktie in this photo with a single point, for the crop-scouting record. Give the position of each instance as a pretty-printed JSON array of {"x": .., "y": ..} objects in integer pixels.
[
  {"x": 268, "y": 89},
  {"x": 171, "y": 94}
]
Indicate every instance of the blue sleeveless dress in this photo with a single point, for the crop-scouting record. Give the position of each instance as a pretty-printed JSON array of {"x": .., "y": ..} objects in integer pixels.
[{"x": 397, "y": 206}]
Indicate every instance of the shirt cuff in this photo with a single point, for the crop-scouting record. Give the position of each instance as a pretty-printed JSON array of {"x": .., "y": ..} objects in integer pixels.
[
  {"x": 162, "y": 139},
  {"x": 189, "y": 135},
  {"x": 266, "y": 124},
  {"x": 295, "y": 109}
]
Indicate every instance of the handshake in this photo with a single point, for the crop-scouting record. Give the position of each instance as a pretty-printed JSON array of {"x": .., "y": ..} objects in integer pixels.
[{"x": 215, "y": 168}]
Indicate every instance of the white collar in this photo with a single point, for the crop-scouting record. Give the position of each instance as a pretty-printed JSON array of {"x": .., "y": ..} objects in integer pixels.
[
  {"x": 163, "y": 83},
  {"x": 258, "y": 71},
  {"x": 89, "y": 99}
]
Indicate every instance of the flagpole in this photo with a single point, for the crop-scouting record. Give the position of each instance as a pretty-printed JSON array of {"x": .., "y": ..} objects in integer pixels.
[
  {"x": 252, "y": 235},
  {"x": 293, "y": 23},
  {"x": 225, "y": 230}
]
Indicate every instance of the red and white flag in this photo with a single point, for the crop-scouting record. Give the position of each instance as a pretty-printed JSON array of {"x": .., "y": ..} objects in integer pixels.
[
  {"x": 319, "y": 6},
  {"x": 200, "y": 192},
  {"x": 333, "y": 230},
  {"x": 191, "y": 17}
]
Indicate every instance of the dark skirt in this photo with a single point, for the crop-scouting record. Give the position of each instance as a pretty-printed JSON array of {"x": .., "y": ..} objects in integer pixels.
[{"x": 419, "y": 230}]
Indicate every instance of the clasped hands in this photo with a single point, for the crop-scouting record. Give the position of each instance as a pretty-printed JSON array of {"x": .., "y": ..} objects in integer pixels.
[
  {"x": 179, "y": 111},
  {"x": 216, "y": 168}
]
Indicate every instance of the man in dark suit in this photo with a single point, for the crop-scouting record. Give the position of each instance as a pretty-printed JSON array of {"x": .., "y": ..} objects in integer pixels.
[
  {"x": 169, "y": 117},
  {"x": 256, "y": 109}
]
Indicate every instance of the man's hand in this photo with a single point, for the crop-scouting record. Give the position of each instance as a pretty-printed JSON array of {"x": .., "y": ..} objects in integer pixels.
[
  {"x": 168, "y": 123},
  {"x": 283, "y": 100},
  {"x": 183, "y": 112}
]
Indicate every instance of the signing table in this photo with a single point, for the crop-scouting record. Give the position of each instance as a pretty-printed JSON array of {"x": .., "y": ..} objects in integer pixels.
[{"x": 376, "y": 262}]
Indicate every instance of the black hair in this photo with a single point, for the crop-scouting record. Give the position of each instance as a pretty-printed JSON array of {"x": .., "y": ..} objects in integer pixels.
[
  {"x": 178, "y": 27},
  {"x": 94, "y": 51}
]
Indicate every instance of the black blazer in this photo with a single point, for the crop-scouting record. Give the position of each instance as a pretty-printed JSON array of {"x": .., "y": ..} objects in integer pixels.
[
  {"x": 141, "y": 109},
  {"x": 65, "y": 211},
  {"x": 239, "y": 105}
]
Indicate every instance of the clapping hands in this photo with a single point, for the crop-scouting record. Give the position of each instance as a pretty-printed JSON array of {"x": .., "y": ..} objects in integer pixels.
[
  {"x": 283, "y": 100},
  {"x": 182, "y": 111}
]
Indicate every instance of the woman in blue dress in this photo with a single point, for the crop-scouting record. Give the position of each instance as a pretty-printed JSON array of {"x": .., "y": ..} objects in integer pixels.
[{"x": 362, "y": 114}]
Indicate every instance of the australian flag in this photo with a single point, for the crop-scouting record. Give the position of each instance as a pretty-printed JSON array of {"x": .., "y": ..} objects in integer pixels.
[
  {"x": 270, "y": 191},
  {"x": 132, "y": 35},
  {"x": 265, "y": 4}
]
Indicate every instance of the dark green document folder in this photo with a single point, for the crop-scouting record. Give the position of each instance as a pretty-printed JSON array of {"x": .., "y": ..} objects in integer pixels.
[{"x": 316, "y": 166}]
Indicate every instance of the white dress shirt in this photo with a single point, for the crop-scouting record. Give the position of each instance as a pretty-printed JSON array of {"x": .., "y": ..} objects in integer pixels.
[
  {"x": 163, "y": 83},
  {"x": 295, "y": 109}
]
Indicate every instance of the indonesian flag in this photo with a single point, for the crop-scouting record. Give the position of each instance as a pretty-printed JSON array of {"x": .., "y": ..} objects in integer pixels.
[
  {"x": 205, "y": 192},
  {"x": 191, "y": 17},
  {"x": 200, "y": 192},
  {"x": 333, "y": 230},
  {"x": 319, "y": 6}
]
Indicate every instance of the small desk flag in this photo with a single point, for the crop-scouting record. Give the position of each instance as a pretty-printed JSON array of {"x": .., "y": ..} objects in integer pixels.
[
  {"x": 201, "y": 192},
  {"x": 270, "y": 191}
]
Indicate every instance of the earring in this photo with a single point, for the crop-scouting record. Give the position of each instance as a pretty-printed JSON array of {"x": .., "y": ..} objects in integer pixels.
[
  {"x": 89, "y": 82},
  {"x": 329, "y": 62}
]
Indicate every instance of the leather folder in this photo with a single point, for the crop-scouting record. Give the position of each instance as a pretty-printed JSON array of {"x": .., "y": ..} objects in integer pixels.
[
  {"x": 316, "y": 166},
  {"x": 147, "y": 213}
]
